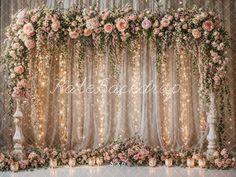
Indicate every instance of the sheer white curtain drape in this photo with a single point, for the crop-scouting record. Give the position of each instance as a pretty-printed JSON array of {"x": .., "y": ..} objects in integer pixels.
[{"x": 163, "y": 117}]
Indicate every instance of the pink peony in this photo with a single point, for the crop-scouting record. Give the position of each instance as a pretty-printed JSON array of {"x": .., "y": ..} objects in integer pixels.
[
  {"x": 196, "y": 33},
  {"x": 55, "y": 25},
  {"x": 146, "y": 24},
  {"x": 87, "y": 32},
  {"x": 28, "y": 29},
  {"x": 208, "y": 25},
  {"x": 108, "y": 27},
  {"x": 121, "y": 25},
  {"x": 165, "y": 22},
  {"x": 19, "y": 69},
  {"x": 73, "y": 34},
  {"x": 30, "y": 44}
]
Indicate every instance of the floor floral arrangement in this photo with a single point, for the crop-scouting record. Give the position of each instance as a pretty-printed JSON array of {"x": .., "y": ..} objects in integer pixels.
[{"x": 131, "y": 152}]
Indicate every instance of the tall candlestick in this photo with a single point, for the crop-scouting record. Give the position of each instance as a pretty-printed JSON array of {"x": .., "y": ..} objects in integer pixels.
[
  {"x": 18, "y": 137},
  {"x": 211, "y": 120}
]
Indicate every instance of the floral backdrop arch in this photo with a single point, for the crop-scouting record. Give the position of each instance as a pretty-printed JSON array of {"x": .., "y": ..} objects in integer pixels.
[{"x": 197, "y": 32}]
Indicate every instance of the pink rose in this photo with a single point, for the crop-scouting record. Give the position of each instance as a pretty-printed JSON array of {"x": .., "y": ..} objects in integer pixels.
[
  {"x": 196, "y": 33},
  {"x": 98, "y": 30},
  {"x": 22, "y": 83},
  {"x": 73, "y": 34},
  {"x": 34, "y": 18},
  {"x": 208, "y": 25},
  {"x": 87, "y": 32},
  {"x": 28, "y": 29},
  {"x": 165, "y": 22},
  {"x": 146, "y": 24},
  {"x": 30, "y": 44},
  {"x": 17, "y": 92},
  {"x": 217, "y": 80},
  {"x": 121, "y": 25},
  {"x": 108, "y": 27},
  {"x": 19, "y": 69},
  {"x": 132, "y": 17},
  {"x": 55, "y": 25}
]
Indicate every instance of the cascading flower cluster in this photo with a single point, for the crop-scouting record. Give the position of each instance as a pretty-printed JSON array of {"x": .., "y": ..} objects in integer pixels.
[
  {"x": 118, "y": 27},
  {"x": 128, "y": 152}
]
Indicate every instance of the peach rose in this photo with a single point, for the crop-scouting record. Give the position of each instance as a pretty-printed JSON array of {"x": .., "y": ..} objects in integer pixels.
[
  {"x": 87, "y": 32},
  {"x": 28, "y": 29},
  {"x": 55, "y": 25},
  {"x": 108, "y": 27},
  {"x": 146, "y": 24},
  {"x": 19, "y": 69},
  {"x": 73, "y": 34},
  {"x": 196, "y": 33},
  {"x": 208, "y": 25},
  {"x": 121, "y": 25},
  {"x": 30, "y": 44}
]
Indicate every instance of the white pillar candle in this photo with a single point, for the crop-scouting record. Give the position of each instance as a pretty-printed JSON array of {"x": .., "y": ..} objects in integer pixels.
[
  {"x": 202, "y": 163},
  {"x": 99, "y": 160},
  {"x": 14, "y": 166},
  {"x": 190, "y": 162},
  {"x": 72, "y": 162},
  {"x": 53, "y": 163},
  {"x": 169, "y": 162},
  {"x": 92, "y": 161},
  {"x": 152, "y": 162}
]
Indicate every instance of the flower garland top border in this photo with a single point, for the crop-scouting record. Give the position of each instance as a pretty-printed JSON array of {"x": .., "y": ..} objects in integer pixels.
[{"x": 120, "y": 26}]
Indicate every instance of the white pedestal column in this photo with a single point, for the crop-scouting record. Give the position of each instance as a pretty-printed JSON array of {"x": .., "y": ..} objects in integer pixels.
[
  {"x": 211, "y": 120},
  {"x": 18, "y": 137}
]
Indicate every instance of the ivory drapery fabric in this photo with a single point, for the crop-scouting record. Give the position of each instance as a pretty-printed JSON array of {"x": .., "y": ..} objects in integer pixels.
[{"x": 63, "y": 112}]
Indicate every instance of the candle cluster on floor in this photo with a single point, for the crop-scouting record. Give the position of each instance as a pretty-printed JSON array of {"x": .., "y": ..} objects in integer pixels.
[{"x": 130, "y": 152}]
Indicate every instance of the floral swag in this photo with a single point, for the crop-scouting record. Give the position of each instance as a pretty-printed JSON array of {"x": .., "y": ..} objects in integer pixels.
[
  {"x": 130, "y": 152},
  {"x": 198, "y": 31}
]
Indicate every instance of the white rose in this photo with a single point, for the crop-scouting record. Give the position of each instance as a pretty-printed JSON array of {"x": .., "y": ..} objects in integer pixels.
[{"x": 12, "y": 75}]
